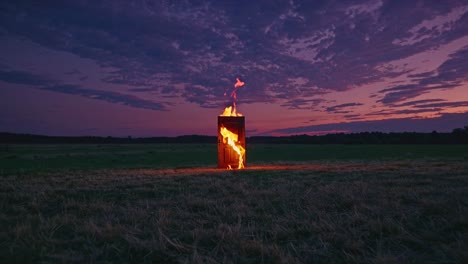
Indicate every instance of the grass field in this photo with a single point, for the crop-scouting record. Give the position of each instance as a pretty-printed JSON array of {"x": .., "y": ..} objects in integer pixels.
[
  {"x": 44, "y": 158},
  {"x": 293, "y": 204}
]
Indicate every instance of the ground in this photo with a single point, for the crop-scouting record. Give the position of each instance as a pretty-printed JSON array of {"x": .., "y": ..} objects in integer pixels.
[{"x": 293, "y": 204}]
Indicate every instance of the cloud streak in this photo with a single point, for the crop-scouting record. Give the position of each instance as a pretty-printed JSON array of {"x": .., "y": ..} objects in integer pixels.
[
  {"x": 18, "y": 77},
  {"x": 446, "y": 122},
  {"x": 339, "y": 108}
]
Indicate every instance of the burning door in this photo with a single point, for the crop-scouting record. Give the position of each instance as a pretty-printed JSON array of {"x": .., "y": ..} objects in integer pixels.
[{"x": 231, "y": 142}]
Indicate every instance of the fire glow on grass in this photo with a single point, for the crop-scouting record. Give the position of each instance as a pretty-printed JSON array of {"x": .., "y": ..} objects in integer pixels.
[{"x": 230, "y": 137}]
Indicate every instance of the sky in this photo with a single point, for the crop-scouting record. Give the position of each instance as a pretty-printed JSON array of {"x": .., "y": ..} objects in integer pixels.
[{"x": 161, "y": 68}]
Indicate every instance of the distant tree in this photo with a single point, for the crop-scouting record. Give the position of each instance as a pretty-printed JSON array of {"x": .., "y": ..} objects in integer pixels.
[{"x": 460, "y": 134}]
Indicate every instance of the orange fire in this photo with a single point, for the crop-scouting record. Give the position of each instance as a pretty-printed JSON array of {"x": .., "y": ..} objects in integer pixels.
[
  {"x": 231, "y": 110},
  {"x": 229, "y": 137},
  {"x": 232, "y": 140}
]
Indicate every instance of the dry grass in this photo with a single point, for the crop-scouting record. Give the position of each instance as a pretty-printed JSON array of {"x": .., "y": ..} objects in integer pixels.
[{"x": 340, "y": 212}]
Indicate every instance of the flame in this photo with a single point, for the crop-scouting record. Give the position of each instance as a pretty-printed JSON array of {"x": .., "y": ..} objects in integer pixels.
[
  {"x": 229, "y": 137},
  {"x": 232, "y": 140},
  {"x": 238, "y": 83},
  {"x": 232, "y": 110}
]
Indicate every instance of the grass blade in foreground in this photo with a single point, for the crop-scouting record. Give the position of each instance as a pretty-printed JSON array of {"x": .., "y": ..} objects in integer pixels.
[{"x": 321, "y": 212}]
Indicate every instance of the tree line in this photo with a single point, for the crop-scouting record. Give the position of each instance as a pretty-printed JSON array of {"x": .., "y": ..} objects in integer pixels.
[{"x": 457, "y": 136}]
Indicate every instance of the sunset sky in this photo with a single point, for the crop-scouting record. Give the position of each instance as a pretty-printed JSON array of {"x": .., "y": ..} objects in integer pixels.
[{"x": 161, "y": 68}]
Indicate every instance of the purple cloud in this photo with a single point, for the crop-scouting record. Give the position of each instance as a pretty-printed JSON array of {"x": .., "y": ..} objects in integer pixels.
[
  {"x": 290, "y": 53},
  {"x": 18, "y": 77},
  {"x": 338, "y": 108}
]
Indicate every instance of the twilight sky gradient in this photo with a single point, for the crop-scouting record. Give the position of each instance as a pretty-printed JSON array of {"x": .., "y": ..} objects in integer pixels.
[{"x": 160, "y": 68}]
